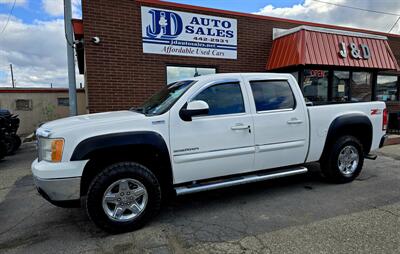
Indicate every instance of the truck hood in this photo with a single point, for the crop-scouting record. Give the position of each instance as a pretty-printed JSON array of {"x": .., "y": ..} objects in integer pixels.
[{"x": 86, "y": 121}]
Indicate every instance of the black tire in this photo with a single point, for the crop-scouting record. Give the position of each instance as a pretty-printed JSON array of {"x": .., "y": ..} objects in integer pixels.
[
  {"x": 17, "y": 142},
  {"x": 10, "y": 144},
  {"x": 112, "y": 174},
  {"x": 3, "y": 149},
  {"x": 330, "y": 162}
]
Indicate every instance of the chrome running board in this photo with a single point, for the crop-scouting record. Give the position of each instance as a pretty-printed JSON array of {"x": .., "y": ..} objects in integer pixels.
[{"x": 212, "y": 185}]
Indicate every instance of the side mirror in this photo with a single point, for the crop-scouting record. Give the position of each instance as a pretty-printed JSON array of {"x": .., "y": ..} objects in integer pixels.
[{"x": 194, "y": 108}]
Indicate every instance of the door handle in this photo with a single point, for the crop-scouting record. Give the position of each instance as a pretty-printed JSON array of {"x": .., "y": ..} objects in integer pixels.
[
  {"x": 294, "y": 121},
  {"x": 240, "y": 127}
]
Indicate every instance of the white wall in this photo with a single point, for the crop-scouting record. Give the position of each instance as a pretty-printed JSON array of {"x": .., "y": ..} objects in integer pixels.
[{"x": 44, "y": 106}]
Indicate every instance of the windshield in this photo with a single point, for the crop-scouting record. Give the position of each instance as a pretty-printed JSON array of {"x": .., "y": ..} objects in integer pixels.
[{"x": 163, "y": 100}]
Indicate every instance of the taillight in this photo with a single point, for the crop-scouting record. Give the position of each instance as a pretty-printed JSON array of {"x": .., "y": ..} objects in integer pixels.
[{"x": 385, "y": 119}]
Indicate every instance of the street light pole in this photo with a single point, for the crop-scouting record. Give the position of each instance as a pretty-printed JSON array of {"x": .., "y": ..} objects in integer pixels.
[
  {"x": 12, "y": 76},
  {"x": 71, "y": 58}
]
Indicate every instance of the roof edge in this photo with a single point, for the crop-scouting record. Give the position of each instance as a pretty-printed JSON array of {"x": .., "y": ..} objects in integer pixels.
[
  {"x": 250, "y": 15},
  {"x": 329, "y": 31}
]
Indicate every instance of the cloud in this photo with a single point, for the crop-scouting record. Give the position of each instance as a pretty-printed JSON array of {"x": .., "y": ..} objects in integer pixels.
[
  {"x": 37, "y": 52},
  {"x": 55, "y": 8},
  {"x": 330, "y": 14},
  {"x": 11, "y": 2}
]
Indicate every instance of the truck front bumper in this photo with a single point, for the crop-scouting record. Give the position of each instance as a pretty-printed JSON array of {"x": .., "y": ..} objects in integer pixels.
[{"x": 63, "y": 191}]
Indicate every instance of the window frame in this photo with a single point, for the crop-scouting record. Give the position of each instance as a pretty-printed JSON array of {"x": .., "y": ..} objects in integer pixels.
[
  {"x": 28, "y": 108},
  {"x": 273, "y": 110},
  {"x": 215, "y": 83}
]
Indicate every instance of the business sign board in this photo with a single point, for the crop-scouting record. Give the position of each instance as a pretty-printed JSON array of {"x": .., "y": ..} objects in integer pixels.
[{"x": 188, "y": 34}]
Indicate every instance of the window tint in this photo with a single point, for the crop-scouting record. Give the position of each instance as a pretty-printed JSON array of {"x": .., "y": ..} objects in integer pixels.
[
  {"x": 223, "y": 99},
  {"x": 270, "y": 95}
]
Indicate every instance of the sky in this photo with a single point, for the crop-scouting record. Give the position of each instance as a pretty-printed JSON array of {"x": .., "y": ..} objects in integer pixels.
[{"x": 34, "y": 41}]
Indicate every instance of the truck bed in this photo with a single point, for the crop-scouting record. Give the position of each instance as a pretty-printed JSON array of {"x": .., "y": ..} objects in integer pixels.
[{"x": 321, "y": 117}]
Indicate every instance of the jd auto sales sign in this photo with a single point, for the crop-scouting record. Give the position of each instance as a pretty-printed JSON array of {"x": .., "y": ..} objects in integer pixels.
[{"x": 188, "y": 34}]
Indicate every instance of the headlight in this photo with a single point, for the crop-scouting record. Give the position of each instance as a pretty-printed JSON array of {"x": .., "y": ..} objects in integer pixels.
[{"x": 51, "y": 149}]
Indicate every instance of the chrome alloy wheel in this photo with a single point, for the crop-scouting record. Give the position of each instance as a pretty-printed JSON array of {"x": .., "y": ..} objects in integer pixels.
[
  {"x": 125, "y": 199},
  {"x": 348, "y": 160}
]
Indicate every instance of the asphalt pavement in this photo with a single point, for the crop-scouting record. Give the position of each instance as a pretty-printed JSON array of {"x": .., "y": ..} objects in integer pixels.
[{"x": 300, "y": 214}]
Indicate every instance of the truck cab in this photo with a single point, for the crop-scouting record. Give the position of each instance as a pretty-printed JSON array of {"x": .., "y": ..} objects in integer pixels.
[{"x": 200, "y": 134}]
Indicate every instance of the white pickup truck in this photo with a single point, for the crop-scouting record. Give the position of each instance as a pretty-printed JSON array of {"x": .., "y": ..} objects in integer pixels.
[{"x": 200, "y": 134}]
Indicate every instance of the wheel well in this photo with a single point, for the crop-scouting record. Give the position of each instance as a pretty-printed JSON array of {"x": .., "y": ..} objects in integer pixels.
[
  {"x": 361, "y": 131},
  {"x": 147, "y": 155}
]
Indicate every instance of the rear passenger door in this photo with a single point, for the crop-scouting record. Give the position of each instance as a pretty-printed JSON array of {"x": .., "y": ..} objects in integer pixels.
[{"x": 280, "y": 124}]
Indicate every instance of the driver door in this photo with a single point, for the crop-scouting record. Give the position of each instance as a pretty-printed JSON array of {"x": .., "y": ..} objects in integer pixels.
[{"x": 217, "y": 144}]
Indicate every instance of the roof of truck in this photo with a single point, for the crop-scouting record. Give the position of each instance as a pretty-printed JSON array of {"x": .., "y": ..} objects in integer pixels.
[{"x": 244, "y": 74}]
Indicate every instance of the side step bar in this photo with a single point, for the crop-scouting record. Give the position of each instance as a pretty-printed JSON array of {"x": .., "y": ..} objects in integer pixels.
[
  {"x": 183, "y": 190},
  {"x": 371, "y": 156}
]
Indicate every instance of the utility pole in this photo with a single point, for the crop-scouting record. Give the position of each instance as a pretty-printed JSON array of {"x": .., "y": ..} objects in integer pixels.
[
  {"x": 71, "y": 59},
  {"x": 12, "y": 76}
]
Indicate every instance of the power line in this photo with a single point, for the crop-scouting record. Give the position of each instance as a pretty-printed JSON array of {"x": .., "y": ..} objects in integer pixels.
[
  {"x": 9, "y": 16},
  {"x": 358, "y": 8},
  {"x": 394, "y": 24}
]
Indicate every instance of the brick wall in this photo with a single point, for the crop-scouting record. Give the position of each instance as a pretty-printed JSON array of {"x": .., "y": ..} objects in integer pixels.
[{"x": 119, "y": 75}]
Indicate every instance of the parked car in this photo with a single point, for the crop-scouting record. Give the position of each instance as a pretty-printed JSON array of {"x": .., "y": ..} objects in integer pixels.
[{"x": 200, "y": 134}]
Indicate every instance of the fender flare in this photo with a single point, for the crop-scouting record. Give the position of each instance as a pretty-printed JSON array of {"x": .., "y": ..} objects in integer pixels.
[
  {"x": 346, "y": 124},
  {"x": 90, "y": 145}
]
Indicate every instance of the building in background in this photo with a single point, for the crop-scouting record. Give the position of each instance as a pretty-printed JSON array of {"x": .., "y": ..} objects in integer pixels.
[
  {"x": 133, "y": 48},
  {"x": 38, "y": 105}
]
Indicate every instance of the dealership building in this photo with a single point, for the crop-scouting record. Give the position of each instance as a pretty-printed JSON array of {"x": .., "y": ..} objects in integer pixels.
[{"x": 129, "y": 50}]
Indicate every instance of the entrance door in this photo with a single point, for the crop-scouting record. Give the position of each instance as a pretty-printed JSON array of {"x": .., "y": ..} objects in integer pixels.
[{"x": 220, "y": 143}]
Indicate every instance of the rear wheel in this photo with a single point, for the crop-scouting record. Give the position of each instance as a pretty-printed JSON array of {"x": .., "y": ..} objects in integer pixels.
[
  {"x": 10, "y": 144},
  {"x": 344, "y": 161},
  {"x": 17, "y": 142},
  {"x": 123, "y": 197},
  {"x": 3, "y": 149}
]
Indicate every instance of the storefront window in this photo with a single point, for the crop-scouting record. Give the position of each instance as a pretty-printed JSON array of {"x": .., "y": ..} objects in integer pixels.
[
  {"x": 175, "y": 73},
  {"x": 361, "y": 88},
  {"x": 340, "y": 86},
  {"x": 386, "y": 88},
  {"x": 315, "y": 85}
]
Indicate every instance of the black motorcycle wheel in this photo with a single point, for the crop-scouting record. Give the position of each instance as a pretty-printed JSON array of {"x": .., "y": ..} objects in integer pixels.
[
  {"x": 10, "y": 145},
  {"x": 3, "y": 149},
  {"x": 17, "y": 142}
]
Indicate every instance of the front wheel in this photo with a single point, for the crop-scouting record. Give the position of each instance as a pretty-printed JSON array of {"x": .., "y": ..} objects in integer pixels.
[
  {"x": 123, "y": 197},
  {"x": 344, "y": 161}
]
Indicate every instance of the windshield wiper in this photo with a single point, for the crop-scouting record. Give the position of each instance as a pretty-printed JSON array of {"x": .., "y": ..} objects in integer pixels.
[{"x": 139, "y": 109}]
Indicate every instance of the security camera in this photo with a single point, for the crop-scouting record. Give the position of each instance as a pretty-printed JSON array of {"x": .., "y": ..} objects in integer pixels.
[{"x": 96, "y": 40}]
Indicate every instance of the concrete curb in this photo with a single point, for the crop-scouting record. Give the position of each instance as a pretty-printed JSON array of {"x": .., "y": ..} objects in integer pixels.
[{"x": 392, "y": 140}]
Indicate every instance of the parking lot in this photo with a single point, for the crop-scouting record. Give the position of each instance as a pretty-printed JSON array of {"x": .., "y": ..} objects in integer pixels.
[{"x": 301, "y": 214}]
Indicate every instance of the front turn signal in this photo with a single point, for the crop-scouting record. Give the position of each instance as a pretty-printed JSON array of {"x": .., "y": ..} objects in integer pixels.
[{"x": 57, "y": 146}]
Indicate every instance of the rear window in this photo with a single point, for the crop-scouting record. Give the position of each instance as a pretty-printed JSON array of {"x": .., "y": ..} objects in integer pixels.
[{"x": 272, "y": 95}]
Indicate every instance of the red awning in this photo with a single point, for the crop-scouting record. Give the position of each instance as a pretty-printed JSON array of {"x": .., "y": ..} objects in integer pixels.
[
  {"x": 77, "y": 25},
  {"x": 306, "y": 45}
]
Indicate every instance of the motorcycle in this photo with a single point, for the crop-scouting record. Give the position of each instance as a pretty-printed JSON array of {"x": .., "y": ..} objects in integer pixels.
[{"x": 9, "y": 125}]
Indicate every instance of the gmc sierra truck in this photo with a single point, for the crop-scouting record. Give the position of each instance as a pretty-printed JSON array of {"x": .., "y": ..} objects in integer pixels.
[{"x": 200, "y": 134}]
